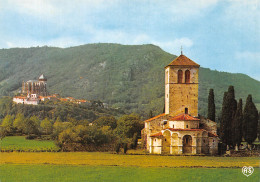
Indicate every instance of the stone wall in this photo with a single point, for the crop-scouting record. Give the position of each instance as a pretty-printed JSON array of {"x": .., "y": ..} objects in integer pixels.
[
  {"x": 179, "y": 96},
  {"x": 208, "y": 125}
]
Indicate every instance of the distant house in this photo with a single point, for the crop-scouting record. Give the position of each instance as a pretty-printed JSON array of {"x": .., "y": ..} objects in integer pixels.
[{"x": 32, "y": 99}]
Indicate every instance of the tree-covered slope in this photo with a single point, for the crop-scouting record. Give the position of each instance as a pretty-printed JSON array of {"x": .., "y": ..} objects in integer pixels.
[{"x": 126, "y": 76}]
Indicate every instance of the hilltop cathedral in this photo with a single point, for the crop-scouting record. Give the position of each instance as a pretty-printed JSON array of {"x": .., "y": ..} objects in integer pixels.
[
  {"x": 35, "y": 86},
  {"x": 180, "y": 130}
]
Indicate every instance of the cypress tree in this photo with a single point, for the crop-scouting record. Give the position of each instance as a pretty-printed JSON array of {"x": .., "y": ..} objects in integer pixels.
[
  {"x": 232, "y": 107},
  {"x": 229, "y": 107},
  {"x": 232, "y": 101},
  {"x": 211, "y": 105},
  {"x": 250, "y": 121},
  {"x": 237, "y": 125},
  {"x": 224, "y": 120}
]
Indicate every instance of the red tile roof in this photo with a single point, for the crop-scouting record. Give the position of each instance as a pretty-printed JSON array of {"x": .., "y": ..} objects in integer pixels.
[
  {"x": 183, "y": 117},
  {"x": 158, "y": 116},
  {"x": 183, "y": 61},
  {"x": 20, "y": 97},
  {"x": 157, "y": 134},
  {"x": 173, "y": 129}
]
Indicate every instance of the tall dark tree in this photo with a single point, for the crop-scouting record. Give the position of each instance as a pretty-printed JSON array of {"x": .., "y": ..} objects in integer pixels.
[
  {"x": 232, "y": 101},
  {"x": 211, "y": 105},
  {"x": 229, "y": 108},
  {"x": 224, "y": 122},
  {"x": 250, "y": 121},
  {"x": 237, "y": 125}
]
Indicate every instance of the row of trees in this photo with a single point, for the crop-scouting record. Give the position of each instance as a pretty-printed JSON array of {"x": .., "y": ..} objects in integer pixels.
[
  {"x": 235, "y": 122},
  {"x": 103, "y": 133}
]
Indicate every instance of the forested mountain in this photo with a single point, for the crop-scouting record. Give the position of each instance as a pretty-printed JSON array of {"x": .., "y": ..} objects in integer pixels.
[{"x": 130, "y": 77}]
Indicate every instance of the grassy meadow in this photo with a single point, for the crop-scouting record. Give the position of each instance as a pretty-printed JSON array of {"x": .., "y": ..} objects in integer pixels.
[
  {"x": 114, "y": 173},
  {"x": 19, "y": 143},
  {"x": 109, "y": 159},
  {"x": 105, "y": 166}
]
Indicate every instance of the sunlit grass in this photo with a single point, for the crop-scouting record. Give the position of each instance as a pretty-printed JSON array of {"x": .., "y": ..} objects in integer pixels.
[
  {"x": 108, "y": 159},
  {"x": 65, "y": 173},
  {"x": 19, "y": 143}
]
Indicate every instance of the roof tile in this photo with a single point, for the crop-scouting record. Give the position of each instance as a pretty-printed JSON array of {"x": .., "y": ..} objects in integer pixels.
[
  {"x": 183, "y": 61},
  {"x": 184, "y": 117},
  {"x": 158, "y": 116}
]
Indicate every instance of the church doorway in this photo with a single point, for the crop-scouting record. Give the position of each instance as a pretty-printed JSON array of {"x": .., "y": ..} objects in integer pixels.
[{"x": 187, "y": 144}]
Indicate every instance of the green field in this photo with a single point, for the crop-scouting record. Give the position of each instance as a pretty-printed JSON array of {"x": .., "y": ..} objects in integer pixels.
[
  {"x": 19, "y": 143},
  {"x": 105, "y": 166},
  {"x": 55, "y": 173}
]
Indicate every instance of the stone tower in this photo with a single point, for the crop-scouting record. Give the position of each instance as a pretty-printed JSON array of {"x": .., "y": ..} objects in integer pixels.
[
  {"x": 181, "y": 87},
  {"x": 42, "y": 82}
]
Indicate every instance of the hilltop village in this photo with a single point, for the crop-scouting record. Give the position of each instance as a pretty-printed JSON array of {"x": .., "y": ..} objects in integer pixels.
[{"x": 35, "y": 91}]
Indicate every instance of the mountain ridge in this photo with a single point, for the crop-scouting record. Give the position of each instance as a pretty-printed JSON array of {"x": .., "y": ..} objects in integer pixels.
[{"x": 126, "y": 76}]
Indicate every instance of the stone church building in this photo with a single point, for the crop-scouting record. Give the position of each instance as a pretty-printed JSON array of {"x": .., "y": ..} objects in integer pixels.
[
  {"x": 38, "y": 87},
  {"x": 180, "y": 130}
]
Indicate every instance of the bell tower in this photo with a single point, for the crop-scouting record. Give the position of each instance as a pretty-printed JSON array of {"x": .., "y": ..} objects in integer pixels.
[{"x": 182, "y": 87}]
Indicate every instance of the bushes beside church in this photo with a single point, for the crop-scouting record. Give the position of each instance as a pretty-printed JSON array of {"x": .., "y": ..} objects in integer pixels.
[
  {"x": 101, "y": 137},
  {"x": 102, "y": 134}
]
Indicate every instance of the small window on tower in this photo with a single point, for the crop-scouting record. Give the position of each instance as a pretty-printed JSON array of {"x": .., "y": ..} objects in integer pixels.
[
  {"x": 187, "y": 126},
  {"x": 187, "y": 76},
  {"x": 186, "y": 110},
  {"x": 179, "y": 76}
]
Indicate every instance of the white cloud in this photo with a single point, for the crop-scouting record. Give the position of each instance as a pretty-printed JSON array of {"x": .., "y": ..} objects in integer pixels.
[
  {"x": 245, "y": 15},
  {"x": 56, "y": 9},
  {"x": 247, "y": 56},
  {"x": 43, "y": 8},
  {"x": 188, "y": 9},
  {"x": 117, "y": 36},
  {"x": 175, "y": 45},
  {"x": 62, "y": 42}
]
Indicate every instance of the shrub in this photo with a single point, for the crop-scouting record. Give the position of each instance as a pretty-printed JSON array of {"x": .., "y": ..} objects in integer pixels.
[{"x": 31, "y": 137}]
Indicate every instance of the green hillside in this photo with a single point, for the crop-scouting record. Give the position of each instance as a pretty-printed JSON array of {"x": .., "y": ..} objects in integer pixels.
[{"x": 130, "y": 77}]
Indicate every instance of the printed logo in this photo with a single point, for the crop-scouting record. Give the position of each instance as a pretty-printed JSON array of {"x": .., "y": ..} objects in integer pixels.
[{"x": 247, "y": 171}]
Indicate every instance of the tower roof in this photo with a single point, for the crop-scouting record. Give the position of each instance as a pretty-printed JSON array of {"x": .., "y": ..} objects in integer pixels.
[
  {"x": 182, "y": 60},
  {"x": 42, "y": 77}
]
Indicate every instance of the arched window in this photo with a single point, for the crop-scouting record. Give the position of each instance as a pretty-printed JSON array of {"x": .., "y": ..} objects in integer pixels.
[
  {"x": 186, "y": 110},
  {"x": 179, "y": 76},
  {"x": 187, "y": 76}
]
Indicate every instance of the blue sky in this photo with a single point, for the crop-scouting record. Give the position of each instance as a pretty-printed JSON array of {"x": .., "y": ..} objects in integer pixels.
[{"x": 218, "y": 34}]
